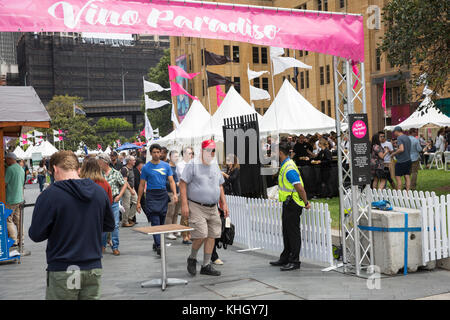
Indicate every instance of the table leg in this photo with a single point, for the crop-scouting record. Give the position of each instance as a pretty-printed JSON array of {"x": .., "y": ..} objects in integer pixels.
[{"x": 163, "y": 262}]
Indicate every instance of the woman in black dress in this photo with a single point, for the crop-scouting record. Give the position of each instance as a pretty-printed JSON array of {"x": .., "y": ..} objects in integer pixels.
[{"x": 323, "y": 160}]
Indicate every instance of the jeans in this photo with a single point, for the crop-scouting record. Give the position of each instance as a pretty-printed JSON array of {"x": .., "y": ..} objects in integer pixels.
[
  {"x": 157, "y": 219},
  {"x": 41, "y": 180},
  {"x": 115, "y": 233}
]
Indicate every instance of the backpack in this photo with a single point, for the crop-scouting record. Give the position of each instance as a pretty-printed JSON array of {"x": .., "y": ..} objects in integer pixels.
[{"x": 227, "y": 236}]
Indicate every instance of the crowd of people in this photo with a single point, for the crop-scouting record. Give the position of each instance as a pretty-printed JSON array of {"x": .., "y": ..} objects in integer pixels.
[{"x": 89, "y": 199}]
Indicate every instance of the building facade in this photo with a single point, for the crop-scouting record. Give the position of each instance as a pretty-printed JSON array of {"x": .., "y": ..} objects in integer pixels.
[
  {"x": 8, "y": 58},
  {"x": 317, "y": 84}
]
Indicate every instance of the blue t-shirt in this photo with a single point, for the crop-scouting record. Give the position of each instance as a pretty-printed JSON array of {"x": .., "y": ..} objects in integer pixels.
[
  {"x": 292, "y": 175},
  {"x": 156, "y": 175}
]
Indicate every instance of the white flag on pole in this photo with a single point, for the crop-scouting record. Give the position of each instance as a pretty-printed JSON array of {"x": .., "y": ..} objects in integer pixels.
[
  {"x": 148, "y": 128},
  {"x": 282, "y": 63},
  {"x": 254, "y": 74},
  {"x": 150, "y": 86},
  {"x": 258, "y": 94},
  {"x": 174, "y": 117},
  {"x": 156, "y": 133},
  {"x": 153, "y": 104},
  {"x": 38, "y": 134},
  {"x": 276, "y": 52}
]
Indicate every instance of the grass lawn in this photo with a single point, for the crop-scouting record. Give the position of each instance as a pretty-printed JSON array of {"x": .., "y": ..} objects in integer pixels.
[{"x": 427, "y": 180}]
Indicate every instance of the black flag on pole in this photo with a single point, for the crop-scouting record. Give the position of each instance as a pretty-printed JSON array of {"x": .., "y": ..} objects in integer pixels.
[
  {"x": 212, "y": 59},
  {"x": 215, "y": 79}
]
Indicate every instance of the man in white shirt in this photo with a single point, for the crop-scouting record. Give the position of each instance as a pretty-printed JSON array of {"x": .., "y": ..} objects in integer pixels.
[
  {"x": 389, "y": 165},
  {"x": 187, "y": 154}
]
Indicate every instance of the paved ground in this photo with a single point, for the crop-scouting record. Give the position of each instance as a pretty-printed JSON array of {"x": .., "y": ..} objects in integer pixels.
[{"x": 244, "y": 275}]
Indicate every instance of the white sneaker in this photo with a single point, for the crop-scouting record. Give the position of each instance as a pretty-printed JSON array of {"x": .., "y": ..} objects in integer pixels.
[
  {"x": 218, "y": 262},
  {"x": 171, "y": 236}
]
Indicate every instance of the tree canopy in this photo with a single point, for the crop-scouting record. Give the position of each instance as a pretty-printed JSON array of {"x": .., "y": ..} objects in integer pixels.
[{"x": 417, "y": 37}]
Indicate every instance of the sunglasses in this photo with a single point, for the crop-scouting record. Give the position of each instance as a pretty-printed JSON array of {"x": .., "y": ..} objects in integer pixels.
[{"x": 210, "y": 150}]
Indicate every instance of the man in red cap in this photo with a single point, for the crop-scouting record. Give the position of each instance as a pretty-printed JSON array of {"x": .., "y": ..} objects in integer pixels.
[{"x": 200, "y": 191}]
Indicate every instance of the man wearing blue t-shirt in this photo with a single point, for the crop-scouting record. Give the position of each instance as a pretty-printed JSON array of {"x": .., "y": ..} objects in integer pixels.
[{"x": 156, "y": 173}]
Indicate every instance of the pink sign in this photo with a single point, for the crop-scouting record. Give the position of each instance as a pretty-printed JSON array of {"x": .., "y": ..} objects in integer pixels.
[
  {"x": 359, "y": 129},
  {"x": 329, "y": 33}
]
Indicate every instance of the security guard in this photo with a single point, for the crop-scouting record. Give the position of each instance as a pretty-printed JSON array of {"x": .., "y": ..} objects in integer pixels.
[{"x": 292, "y": 193}]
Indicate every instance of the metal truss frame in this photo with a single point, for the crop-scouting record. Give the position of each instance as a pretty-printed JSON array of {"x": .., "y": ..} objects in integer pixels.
[{"x": 355, "y": 203}]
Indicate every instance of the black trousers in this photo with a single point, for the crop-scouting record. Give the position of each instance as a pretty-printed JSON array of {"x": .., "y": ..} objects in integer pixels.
[{"x": 291, "y": 232}]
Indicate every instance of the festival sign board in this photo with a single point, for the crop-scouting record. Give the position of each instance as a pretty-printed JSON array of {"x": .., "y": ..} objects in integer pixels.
[
  {"x": 338, "y": 34},
  {"x": 360, "y": 148}
]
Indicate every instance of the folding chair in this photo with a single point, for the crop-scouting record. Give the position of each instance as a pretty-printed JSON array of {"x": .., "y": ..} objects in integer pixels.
[
  {"x": 437, "y": 161},
  {"x": 447, "y": 160}
]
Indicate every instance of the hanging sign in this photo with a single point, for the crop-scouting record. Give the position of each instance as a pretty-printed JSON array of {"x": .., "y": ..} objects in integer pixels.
[
  {"x": 329, "y": 33},
  {"x": 360, "y": 148}
]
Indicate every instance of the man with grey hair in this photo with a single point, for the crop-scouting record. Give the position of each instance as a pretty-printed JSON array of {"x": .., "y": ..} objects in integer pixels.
[
  {"x": 14, "y": 178},
  {"x": 129, "y": 200}
]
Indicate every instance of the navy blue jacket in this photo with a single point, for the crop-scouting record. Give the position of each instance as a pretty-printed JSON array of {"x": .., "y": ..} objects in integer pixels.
[{"x": 71, "y": 215}]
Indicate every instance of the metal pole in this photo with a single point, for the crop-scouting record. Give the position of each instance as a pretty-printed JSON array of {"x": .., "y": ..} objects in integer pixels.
[
  {"x": 163, "y": 262},
  {"x": 123, "y": 86}
]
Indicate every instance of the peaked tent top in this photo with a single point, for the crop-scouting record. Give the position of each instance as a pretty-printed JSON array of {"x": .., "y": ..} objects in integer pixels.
[
  {"x": 428, "y": 115},
  {"x": 291, "y": 113},
  {"x": 18, "y": 151},
  {"x": 233, "y": 105}
]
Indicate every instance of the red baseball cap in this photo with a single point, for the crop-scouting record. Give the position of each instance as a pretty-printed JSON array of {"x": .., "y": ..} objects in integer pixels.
[{"x": 208, "y": 143}]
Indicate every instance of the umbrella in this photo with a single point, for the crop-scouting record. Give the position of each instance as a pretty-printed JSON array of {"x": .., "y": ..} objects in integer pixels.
[{"x": 127, "y": 146}]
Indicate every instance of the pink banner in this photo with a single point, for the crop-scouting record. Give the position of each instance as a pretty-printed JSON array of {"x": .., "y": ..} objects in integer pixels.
[
  {"x": 176, "y": 71},
  {"x": 176, "y": 90},
  {"x": 383, "y": 97},
  {"x": 328, "y": 33}
]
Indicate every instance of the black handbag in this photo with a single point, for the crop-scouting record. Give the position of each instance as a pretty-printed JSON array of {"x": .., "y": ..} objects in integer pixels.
[{"x": 227, "y": 236}]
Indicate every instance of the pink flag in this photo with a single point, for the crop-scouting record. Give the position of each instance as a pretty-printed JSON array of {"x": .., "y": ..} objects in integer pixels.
[
  {"x": 176, "y": 71},
  {"x": 142, "y": 133},
  {"x": 60, "y": 138},
  {"x": 355, "y": 71},
  {"x": 24, "y": 136},
  {"x": 60, "y": 131},
  {"x": 176, "y": 90},
  {"x": 99, "y": 147},
  {"x": 220, "y": 95},
  {"x": 383, "y": 98}
]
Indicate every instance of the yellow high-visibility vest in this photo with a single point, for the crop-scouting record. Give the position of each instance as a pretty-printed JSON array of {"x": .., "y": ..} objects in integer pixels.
[{"x": 285, "y": 188}]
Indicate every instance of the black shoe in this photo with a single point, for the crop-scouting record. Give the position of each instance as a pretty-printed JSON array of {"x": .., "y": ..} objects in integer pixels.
[
  {"x": 158, "y": 251},
  {"x": 187, "y": 242},
  {"x": 192, "y": 266},
  {"x": 154, "y": 248},
  {"x": 209, "y": 270},
  {"x": 290, "y": 266},
  {"x": 277, "y": 263}
]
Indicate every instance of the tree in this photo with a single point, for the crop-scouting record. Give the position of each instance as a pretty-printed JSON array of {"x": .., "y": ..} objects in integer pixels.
[
  {"x": 112, "y": 124},
  {"x": 76, "y": 128},
  {"x": 63, "y": 106},
  {"x": 160, "y": 118},
  {"x": 416, "y": 37}
]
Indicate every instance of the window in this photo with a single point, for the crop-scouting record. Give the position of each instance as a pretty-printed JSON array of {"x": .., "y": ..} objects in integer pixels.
[
  {"x": 190, "y": 63},
  {"x": 328, "y": 73},
  {"x": 306, "y": 53},
  {"x": 321, "y": 76},
  {"x": 319, "y": 5},
  {"x": 228, "y": 85},
  {"x": 284, "y": 78},
  {"x": 302, "y": 80},
  {"x": 300, "y": 53},
  {"x": 302, "y": 6},
  {"x": 289, "y": 78},
  {"x": 322, "y": 106},
  {"x": 203, "y": 88},
  {"x": 341, "y": 4},
  {"x": 226, "y": 51},
  {"x": 255, "y": 55},
  {"x": 287, "y": 52},
  {"x": 325, "y": 5},
  {"x": 264, "y": 55},
  {"x": 236, "y": 54},
  {"x": 265, "y": 83},
  {"x": 202, "y": 56},
  {"x": 307, "y": 79},
  {"x": 256, "y": 82},
  {"x": 237, "y": 84},
  {"x": 329, "y": 107},
  {"x": 377, "y": 59},
  {"x": 388, "y": 97}
]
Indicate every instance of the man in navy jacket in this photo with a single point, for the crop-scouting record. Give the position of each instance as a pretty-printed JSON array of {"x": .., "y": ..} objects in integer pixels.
[{"x": 72, "y": 214}]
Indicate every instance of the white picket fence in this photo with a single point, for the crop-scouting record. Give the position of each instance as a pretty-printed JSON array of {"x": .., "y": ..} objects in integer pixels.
[
  {"x": 435, "y": 212},
  {"x": 258, "y": 225}
]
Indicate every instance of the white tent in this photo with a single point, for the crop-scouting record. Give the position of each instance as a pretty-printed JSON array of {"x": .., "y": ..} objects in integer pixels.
[
  {"x": 29, "y": 152},
  {"x": 19, "y": 152},
  {"x": 107, "y": 150},
  {"x": 291, "y": 113},
  {"x": 428, "y": 114},
  {"x": 46, "y": 148},
  {"x": 233, "y": 105}
]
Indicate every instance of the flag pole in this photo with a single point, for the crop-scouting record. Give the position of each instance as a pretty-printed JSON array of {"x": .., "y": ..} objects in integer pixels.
[
  {"x": 206, "y": 78},
  {"x": 249, "y": 89},
  {"x": 273, "y": 90}
]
